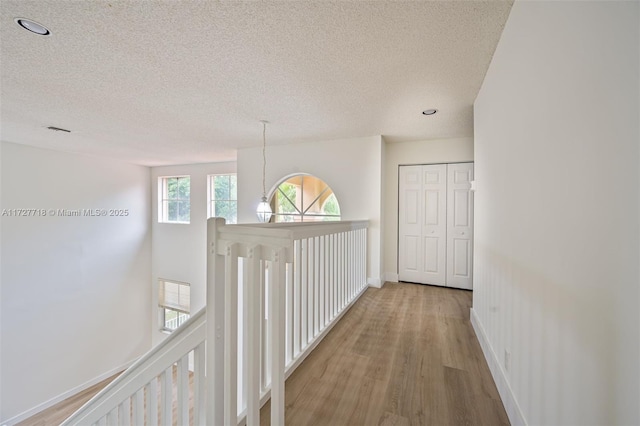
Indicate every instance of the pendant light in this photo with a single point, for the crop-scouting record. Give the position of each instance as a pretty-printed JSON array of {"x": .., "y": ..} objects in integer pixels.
[{"x": 264, "y": 209}]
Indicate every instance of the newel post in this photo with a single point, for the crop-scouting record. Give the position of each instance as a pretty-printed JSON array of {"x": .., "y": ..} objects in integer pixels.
[{"x": 215, "y": 324}]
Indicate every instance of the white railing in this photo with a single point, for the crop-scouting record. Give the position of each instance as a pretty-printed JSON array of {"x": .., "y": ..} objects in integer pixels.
[
  {"x": 273, "y": 292},
  {"x": 176, "y": 322},
  {"x": 155, "y": 389}
]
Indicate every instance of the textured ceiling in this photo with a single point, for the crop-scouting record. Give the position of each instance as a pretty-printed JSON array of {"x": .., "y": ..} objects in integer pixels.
[{"x": 175, "y": 82}]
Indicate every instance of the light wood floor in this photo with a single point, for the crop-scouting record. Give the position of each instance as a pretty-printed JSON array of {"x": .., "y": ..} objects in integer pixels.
[
  {"x": 403, "y": 355},
  {"x": 53, "y": 416}
]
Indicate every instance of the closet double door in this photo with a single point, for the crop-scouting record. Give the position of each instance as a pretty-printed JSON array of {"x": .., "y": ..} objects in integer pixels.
[{"x": 435, "y": 229}]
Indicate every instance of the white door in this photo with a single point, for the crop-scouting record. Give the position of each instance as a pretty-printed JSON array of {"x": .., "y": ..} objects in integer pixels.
[
  {"x": 422, "y": 224},
  {"x": 435, "y": 225},
  {"x": 409, "y": 223},
  {"x": 459, "y": 225}
]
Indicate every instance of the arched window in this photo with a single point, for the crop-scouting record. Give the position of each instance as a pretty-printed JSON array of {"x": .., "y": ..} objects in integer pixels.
[{"x": 304, "y": 198}]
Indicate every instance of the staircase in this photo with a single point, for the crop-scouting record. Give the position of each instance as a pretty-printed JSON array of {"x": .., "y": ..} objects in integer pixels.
[{"x": 273, "y": 292}]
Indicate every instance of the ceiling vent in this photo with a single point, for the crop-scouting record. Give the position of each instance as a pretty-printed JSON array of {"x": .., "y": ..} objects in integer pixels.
[{"x": 58, "y": 129}]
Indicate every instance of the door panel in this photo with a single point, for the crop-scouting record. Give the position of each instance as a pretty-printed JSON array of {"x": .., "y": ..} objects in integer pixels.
[
  {"x": 411, "y": 207},
  {"x": 432, "y": 176},
  {"x": 459, "y": 226},
  {"x": 411, "y": 253},
  {"x": 422, "y": 224},
  {"x": 461, "y": 257},
  {"x": 431, "y": 255},
  {"x": 461, "y": 208},
  {"x": 432, "y": 204},
  {"x": 434, "y": 229},
  {"x": 410, "y": 223}
]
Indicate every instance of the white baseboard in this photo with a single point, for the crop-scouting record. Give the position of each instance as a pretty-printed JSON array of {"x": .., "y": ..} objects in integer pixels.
[
  {"x": 509, "y": 401},
  {"x": 53, "y": 401}
]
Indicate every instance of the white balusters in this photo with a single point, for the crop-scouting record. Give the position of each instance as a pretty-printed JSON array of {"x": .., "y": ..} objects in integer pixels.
[
  {"x": 231, "y": 336},
  {"x": 112, "y": 417},
  {"x": 297, "y": 299},
  {"x": 289, "y": 315},
  {"x": 151, "y": 391},
  {"x": 321, "y": 283},
  {"x": 310, "y": 287},
  {"x": 138, "y": 407},
  {"x": 167, "y": 396},
  {"x": 182, "y": 385},
  {"x": 264, "y": 335},
  {"x": 124, "y": 412},
  {"x": 304, "y": 293},
  {"x": 277, "y": 280},
  {"x": 199, "y": 390},
  {"x": 252, "y": 301}
]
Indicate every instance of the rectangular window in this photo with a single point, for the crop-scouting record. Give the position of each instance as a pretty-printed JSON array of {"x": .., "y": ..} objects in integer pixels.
[
  {"x": 223, "y": 197},
  {"x": 174, "y": 301},
  {"x": 174, "y": 195}
]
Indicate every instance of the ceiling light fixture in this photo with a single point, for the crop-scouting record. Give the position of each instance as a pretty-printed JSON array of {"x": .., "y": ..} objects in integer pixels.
[
  {"x": 264, "y": 209},
  {"x": 429, "y": 111},
  {"x": 32, "y": 26}
]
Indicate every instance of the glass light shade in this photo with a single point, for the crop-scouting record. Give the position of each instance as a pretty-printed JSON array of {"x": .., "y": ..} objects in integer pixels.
[{"x": 264, "y": 211}]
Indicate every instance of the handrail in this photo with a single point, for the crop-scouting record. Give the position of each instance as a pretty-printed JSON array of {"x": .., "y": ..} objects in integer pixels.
[
  {"x": 146, "y": 368},
  {"x": 297, "y": 226},
  {"x": 283, "y": 234},
  {"x": 316, "y": 229}
]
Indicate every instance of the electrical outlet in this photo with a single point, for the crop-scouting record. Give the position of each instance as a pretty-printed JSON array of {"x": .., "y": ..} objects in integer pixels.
[{"x": 507, "y": 360}]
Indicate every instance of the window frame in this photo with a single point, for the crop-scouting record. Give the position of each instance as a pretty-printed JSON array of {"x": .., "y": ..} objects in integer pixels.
[
  {"x": 163, "y": 199},
  {"x": 181, "y": 314},
  {"x": 211, "y": 200},
  {"x": 302, "y": 213}
]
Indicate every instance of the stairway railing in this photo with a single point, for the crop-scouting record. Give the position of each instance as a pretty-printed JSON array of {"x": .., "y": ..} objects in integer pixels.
[
  {"x": 295, "y": 281},
  {"x": 273, "y": 292},
  {"x": 150, "y": 383}
]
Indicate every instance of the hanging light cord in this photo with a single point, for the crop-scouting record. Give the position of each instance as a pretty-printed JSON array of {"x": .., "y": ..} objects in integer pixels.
[{"x": 264, "y": 158}]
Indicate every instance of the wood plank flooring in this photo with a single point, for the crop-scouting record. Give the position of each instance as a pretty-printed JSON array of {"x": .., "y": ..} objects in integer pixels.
[
  {"x": 54, "y": 415},
  {"x": 403, "y": 355}
]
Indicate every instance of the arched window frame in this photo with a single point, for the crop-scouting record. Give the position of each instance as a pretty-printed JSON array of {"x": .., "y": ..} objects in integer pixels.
[{"x": 302, "y": 213}]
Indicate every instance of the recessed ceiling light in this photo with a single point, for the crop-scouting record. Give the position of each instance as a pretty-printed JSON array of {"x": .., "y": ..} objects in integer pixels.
[
  {"x": 32, "y": 26},
  {"x": 429, "y": 111}
]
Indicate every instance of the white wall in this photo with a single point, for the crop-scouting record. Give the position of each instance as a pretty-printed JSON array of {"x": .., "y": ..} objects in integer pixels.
[
  {"x": 179, "y": 250},
  {"x": 557, "y": 214},
  {"x": 1, "y": 304},
  {"x": 75, "y": 290},
  {"x": 422, "y": 152},
  {"x": 351, "y": 167}
]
